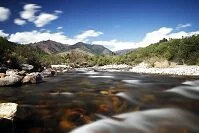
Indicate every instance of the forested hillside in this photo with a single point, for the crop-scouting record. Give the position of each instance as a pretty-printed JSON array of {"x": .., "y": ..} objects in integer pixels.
[{"x": 181, "y": 51}]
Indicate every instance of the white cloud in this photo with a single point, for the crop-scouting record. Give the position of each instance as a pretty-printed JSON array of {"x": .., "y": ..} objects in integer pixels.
[
  {"x": 2, "y": 34},
  {"x": 151, "y": 37},
  {"x": 58, "y": 11},
  {"x": 19, "y": 21},
  {"x": 59, "y": 28},
  {"x": 37, "y": 36},
  {"x": 155, "y": 36},
  {"x": 88, "y": 33},
  {"x": 44, "y": 18},
  {"x": 29, "y": 12},
  {"x": 115, "y": 45},
  {"x": 179, "y": 26},
  {"x": 4, "y": 13},
  {"x": 182, "y": 34}
]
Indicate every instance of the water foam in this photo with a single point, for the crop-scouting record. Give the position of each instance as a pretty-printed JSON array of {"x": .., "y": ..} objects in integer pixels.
[
  {"x": 193, "y": 83},
  {"x": 132, "y": 81},
  {"x": 68, "y": 94},
  {"x": 187, "y": 91},
  {"x": 149, "y": 121},
  {"x": 102, "y": 76},
  {"x": 91, "y": 73},
  {"x": 126, "y": 97}
]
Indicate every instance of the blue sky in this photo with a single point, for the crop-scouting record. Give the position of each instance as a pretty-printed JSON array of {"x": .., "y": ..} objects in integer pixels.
[{"x": 116, "y": 24}]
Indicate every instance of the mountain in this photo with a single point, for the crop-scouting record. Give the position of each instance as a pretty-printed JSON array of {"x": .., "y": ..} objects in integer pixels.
[
  {"x": 52, "y": 47},
  {"x": 94, "y": 49},
  {"x": 124, "y": 51},
  {"x": 75, "y": 51}
]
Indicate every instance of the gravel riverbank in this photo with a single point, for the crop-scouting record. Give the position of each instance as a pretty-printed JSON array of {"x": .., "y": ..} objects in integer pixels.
[{"x": 181, "y": 70}]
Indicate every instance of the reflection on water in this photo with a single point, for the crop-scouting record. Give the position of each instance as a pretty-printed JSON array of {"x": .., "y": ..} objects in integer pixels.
[{"x": 95, "y": 102}]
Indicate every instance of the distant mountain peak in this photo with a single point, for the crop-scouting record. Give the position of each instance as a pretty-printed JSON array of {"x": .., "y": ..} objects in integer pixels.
[
  {"x": 124, "y": 51},
  {"x": 50, "y": 46},
  {"x": 53, "y": 47}
]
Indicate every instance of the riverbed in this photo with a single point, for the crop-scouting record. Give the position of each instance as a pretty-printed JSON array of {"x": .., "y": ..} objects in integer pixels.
[{"x": 106, "y": 102}]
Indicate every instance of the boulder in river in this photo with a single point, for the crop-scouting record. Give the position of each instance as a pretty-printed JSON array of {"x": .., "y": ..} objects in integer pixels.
[
  {"x": 22, "y": 73},
  {"x": 10, "y": 80},
  {"x": 2, "y": 75},
  {"x": 49, "y": 72},
  {"x": 12, "y": 72},
  {"x": 34, "y": 77},
  {"x": 8, "y": 110}
]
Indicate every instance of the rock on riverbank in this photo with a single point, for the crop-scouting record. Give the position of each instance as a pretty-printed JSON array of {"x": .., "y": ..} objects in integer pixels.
[
  {"x": 177, "y": 70},
  {"x": 15, "y": 77}
]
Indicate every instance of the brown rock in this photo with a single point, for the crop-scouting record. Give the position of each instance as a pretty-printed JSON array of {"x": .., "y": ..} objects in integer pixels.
[
  {"x": 104, "y": 108},
  {"x": 10, "y": 80},
  {"x": 32, "y": 78},
  {"x": 2, "y": 75}
]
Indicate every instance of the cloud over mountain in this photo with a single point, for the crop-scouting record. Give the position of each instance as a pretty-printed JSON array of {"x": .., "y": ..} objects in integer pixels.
[
  {"x": 150, "y": 37},
  {"x": 2, "y": 34},
  {"x": 37, "y": 36}
]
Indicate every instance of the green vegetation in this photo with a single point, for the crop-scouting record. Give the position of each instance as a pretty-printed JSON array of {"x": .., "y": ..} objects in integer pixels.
[
  {"x": 12, "y": 55},
  {"x": 181, "y": 51}
]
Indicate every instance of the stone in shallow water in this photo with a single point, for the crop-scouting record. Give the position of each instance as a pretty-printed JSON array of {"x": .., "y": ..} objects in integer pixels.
[
  {"x": 10, "y": 80},
  {"x": 8, "y": 110}
]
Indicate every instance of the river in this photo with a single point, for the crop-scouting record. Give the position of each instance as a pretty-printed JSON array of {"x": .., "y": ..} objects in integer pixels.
[{"x": 106, "y": 102}]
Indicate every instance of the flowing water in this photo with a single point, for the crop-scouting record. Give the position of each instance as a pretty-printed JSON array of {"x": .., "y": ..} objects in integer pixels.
[{"x": 102, "y": 102}]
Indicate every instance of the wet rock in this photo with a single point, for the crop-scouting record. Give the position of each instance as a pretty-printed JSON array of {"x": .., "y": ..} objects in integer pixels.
[
  {"x": 10, "y": 80},
  {"x": 8, "y": 110},
  {"x": 34, "y": 77},
  {"x": 49, "y": 73},
  {"x": 65, "y": 124},
  {"x": 12, "y": 72},
  {"x": 104, "y": 108},
  {"x": 22, "y": 73},
  {"x": 74, "y": 118},
  {"x": 2, "y": 75}
]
